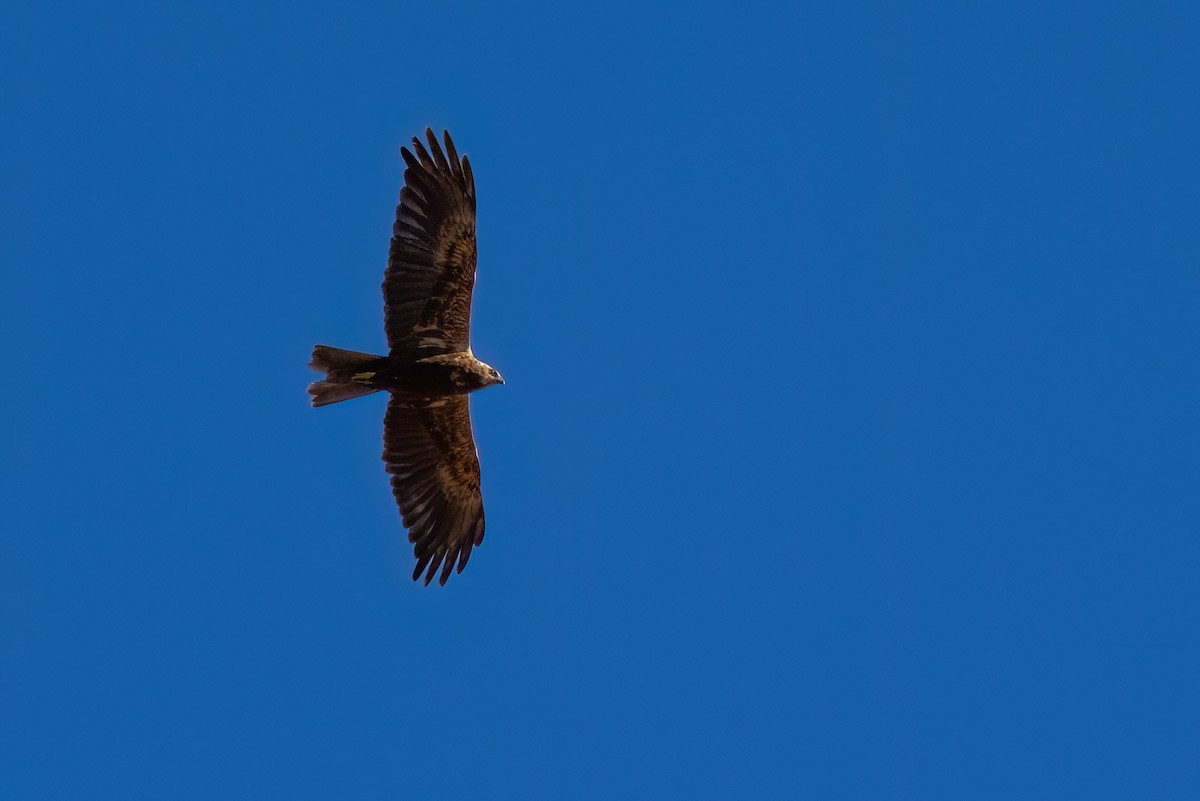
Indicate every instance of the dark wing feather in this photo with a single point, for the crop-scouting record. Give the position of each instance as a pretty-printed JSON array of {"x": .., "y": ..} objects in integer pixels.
[
  {"x": 431, "y": 455},
  {"x": 431, "y": 264}
]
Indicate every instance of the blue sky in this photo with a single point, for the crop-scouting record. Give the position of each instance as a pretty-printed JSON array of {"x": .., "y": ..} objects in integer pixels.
[{"x": 849, "y": 444}]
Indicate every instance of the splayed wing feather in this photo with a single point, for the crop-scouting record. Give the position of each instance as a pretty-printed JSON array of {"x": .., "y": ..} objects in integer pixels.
[
  {"x": 431, "y": 265},
  {"x": 430, "y": 454}
]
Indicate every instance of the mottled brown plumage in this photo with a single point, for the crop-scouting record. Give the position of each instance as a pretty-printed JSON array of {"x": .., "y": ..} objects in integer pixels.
[
  {"x": 435, "y": 477},
  {"x": 431, "y": 265},
  {"x": 429, "y": 370}
]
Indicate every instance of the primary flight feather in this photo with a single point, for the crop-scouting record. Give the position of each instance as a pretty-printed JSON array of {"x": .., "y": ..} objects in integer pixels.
[{"x": 429, "y": 370}]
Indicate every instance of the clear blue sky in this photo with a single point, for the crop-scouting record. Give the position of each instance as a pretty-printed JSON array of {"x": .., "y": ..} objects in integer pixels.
[{"x": 850, "y": 442}]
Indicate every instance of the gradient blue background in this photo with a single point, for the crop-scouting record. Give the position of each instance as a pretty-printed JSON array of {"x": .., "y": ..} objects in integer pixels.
[{"x": 848, "y": 451}]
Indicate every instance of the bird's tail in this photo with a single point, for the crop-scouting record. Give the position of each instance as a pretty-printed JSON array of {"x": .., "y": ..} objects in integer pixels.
[{"x": 347, "y": 375}]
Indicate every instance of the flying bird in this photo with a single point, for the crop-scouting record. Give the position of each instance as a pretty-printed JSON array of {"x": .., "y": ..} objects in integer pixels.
[{"x": 429, "y": 370}]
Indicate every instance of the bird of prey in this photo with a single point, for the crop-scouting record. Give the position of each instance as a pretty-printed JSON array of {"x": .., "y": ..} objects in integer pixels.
[{"x": 427, "y": 442}]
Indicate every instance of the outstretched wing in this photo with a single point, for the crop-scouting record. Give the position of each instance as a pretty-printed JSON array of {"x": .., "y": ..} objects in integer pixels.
[
  {"x": 431, "y": 455},
  {"x": 431, "y": 264}
]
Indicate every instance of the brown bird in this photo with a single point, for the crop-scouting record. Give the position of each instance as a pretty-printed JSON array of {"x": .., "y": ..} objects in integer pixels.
[{"x": 429, "y": 369}]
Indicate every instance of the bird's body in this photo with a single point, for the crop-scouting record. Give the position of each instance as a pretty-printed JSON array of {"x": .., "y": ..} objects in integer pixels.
[
  {"x": 429, "y": 370},
  {"x": 427, "y": 379}
]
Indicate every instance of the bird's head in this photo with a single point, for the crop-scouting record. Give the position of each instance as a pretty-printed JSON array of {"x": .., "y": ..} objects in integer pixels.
[{"x": 491, "y": 375}]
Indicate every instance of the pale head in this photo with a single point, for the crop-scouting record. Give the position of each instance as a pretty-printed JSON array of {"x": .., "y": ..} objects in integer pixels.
[{"x": 489, "y": 375}]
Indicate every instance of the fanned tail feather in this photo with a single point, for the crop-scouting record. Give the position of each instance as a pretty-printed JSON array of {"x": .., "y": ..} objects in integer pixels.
[{"x": 341, "y": 368}]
